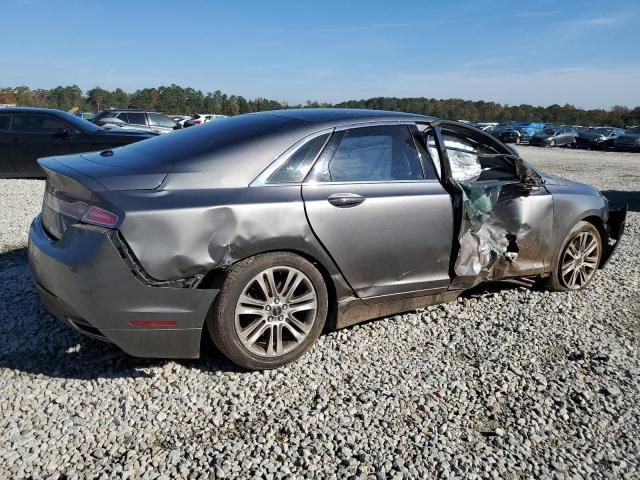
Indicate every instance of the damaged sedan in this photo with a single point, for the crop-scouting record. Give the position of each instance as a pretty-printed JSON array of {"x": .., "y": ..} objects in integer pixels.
[{"x": 265, "y": 229}]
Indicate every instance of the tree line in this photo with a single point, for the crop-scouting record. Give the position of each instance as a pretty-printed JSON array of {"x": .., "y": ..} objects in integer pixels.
[{"x": 174, "y": 99}]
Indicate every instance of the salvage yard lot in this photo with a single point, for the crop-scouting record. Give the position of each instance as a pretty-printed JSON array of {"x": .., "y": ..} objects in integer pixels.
[{"x": 511, "y": 380}]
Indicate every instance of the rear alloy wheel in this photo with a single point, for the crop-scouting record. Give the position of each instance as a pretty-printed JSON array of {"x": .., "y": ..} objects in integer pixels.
[
  {"x": 270, "y": 310},
  {"x": 579, "y": 259},
  {"x": 552, "y": 143}
]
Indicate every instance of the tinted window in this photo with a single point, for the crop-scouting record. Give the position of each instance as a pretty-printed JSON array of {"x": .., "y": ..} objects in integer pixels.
[
  {"x": 296, "y": 167},
  {"x": 159, "y": 120},
  {"x": 385, "y": 153},
  {"x": 136, "y": 118},
  {"x": 5, "y": 121},
  {"x": 36, "y": 123}
]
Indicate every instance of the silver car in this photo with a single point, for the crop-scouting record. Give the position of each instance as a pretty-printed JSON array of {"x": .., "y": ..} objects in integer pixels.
[{"x": 264, "y": 229}]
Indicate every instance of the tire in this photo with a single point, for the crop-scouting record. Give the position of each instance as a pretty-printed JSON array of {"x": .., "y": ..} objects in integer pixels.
[
  {"x": 259, "y": 329},
  {"x": 560, "y": 282}
]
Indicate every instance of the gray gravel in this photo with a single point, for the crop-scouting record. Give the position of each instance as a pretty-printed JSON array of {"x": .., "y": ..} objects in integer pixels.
[{"x": 508, "y": 382}]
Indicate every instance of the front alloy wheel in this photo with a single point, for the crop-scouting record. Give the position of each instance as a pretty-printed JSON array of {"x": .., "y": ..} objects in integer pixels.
[
  {"x": 578, "y": 259},
  {"x": 270, "y": 310}
]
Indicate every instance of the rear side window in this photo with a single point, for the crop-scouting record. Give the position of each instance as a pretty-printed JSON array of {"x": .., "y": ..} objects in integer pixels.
[
  {"x": 298, "y": 164},
  {"x": 36, "y": 123},
  {"x": 372, "y": 154},
  {"x": 136, "y": 118},
  {"x": 5, "y": 123}
]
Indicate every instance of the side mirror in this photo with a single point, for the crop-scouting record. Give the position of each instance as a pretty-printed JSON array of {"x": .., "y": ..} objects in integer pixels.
[{"x": 62, "y": 133}]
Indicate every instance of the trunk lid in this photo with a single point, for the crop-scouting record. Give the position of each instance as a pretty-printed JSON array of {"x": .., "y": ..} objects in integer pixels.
[{"x": 112, "y": 169}]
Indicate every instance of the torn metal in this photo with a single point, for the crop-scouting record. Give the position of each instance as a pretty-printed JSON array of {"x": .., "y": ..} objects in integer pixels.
[{"x": 497, "y": 221}]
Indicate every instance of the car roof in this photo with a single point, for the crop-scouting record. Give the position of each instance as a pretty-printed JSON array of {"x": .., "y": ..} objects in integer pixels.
[
  {"x": 346, "y": 115},
  {"x": 31, "y": 110}
]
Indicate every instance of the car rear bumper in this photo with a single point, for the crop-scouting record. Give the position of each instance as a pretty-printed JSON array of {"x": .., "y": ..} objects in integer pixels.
[
  {"x": 615, "y": 229},
  {"x": 83, "y": 280}
]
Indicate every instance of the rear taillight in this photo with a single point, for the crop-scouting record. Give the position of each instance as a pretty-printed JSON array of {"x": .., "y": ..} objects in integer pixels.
[
  {"x": 197, "y": 122},
  {"x": 100, "y": 123},
  {"x": 81, "y": 211},
  {"x": 100, "y": 216}
]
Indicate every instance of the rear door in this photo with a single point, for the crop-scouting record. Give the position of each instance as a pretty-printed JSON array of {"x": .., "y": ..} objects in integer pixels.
[
  {"x": 374, "y": 201},
  {"x": 138, "y": 120},
  {"x": 6, "y": 149}
]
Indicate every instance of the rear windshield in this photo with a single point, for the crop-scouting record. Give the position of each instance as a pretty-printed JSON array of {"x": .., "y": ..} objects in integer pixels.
[{"x": 190, "y": 143}]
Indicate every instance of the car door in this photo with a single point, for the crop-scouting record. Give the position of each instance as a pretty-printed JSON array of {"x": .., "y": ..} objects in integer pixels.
[
  {"x": 375, "y": 203},
  {"x": 138, "y": 120},
  {"x": 6, "y": 148},
  {"x": 37, "y": 135},
  {"x": 505, "y": 226}
]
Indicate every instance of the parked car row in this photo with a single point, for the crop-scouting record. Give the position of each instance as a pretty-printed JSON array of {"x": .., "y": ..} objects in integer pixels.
[{"x": 574, "y": 136}]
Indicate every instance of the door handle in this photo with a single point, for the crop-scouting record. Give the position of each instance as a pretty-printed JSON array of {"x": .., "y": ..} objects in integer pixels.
[{"x": 342, "y": 200}]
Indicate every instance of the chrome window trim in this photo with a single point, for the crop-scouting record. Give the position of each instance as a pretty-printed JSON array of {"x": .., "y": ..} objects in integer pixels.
[
  {"x": 373, "y": 182},
  {"x": 280, "y": 160}
]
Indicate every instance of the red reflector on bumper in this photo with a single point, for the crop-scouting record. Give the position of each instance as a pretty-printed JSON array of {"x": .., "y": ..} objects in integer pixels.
[{"x": 153, "y": 323}]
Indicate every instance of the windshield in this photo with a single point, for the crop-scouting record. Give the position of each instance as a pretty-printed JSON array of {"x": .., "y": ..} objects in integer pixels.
[
  {"x": 603, "y": 131},
  {"x": 634, "y": 130},
  {"x": 79, "y": 123}
]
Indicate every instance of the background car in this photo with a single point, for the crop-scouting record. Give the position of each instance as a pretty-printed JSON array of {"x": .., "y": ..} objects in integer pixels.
[
  {"x": 554, "y": 137},
  {"x": 27, "y": 134},
  {"x": 197, "y": 119},
  {"x": 598, "y": 138},
  {"x": 180, "y": 119},
  {"x": 505, "y": 133},
  {"x": 213, "y": 117},
  {"x": 629, "y": 140},
  {"x": 185, "y": 232},
  {"x": 140, "y": 119}
]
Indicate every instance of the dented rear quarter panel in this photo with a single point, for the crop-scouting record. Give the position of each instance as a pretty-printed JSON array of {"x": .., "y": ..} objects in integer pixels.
[{"x": 190, "y": 232}]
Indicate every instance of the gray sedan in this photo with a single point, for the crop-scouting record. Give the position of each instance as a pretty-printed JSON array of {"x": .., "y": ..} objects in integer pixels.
[{"x": 264, "y": 229}]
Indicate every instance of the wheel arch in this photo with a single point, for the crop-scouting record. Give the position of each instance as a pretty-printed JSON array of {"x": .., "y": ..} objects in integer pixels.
[{"x": 213, "y": 279}]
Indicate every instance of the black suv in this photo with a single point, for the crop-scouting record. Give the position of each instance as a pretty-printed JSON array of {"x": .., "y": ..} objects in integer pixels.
[{"x": 139, "y": 119}]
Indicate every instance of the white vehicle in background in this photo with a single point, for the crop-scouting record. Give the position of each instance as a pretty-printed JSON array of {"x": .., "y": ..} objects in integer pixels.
[
  {"x": 202, "y": 118},
  {"x": 180, "y": 119},
  {"x": 211, "y": 118}
]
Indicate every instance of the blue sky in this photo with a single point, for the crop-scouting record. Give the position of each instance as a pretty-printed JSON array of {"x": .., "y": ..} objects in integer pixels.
[{"x": 538, "y": 52}]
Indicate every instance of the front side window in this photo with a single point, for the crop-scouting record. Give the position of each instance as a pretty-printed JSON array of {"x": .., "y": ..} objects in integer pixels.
[
  {"x": 5, "y": 122},
  {"x": 37, "y": 123},
  {"x": 159, "y": 120},
  {"x": 372, "y": 154},
  {"x": 297, "y": 165}
]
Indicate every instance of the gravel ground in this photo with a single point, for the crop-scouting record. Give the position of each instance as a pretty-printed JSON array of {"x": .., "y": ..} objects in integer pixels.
[{"x": 508, "y": 382}]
